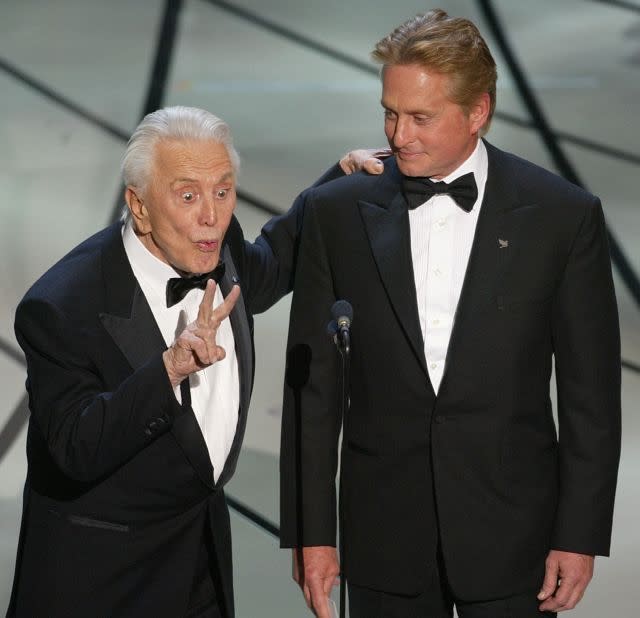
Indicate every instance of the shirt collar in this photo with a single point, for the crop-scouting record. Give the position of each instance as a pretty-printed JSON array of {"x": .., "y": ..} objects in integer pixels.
[
  {"x": 476, "y": 163},
  {"x": 154, "y": 271}
]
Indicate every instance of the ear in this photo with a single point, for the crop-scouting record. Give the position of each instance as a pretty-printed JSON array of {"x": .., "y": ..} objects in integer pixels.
[
  {"x": 138, "y": 210},
  {"x": 479, "y": 113}
]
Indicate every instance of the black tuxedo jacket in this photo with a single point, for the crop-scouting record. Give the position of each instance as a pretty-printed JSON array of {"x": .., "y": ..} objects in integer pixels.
[
  {"x": 120, "y": 484},
  {"x": 479, "y": 469}
]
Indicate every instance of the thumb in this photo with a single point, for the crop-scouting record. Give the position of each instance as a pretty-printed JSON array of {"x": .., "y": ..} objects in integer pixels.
[
  {"x": 550, "y": 582},
  {"x": 373, "y": 166}
]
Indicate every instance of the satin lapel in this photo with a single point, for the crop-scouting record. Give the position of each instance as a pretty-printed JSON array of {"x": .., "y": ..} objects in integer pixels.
[
  {"x": 188, "y": 435},
  {"x": 127, "y": 317},
  {"x": 486, "y": 263},
  {"x": 133, "y": 328},
  {"x": 387, "y": 227},
  {"x": 137, "y": 335},
  {"x": 244, "y": 354}
]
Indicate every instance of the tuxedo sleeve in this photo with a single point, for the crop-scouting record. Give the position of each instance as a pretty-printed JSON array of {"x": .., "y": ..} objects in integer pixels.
[
  {"x": 311, "y": 416},
  {"x": 587, "y": 359},
  {"x": 90, "y": 429},
  {"x": 270, "y": 261},
  {"x": 334, "y": 172}
]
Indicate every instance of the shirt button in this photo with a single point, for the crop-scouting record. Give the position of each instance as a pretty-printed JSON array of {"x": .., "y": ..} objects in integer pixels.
[
  {"x": 442, "y": 223},
  {"x": 435, "y": 322},
  {"x": 434, "y": 365},
  {"x": 437, "y": 271}
]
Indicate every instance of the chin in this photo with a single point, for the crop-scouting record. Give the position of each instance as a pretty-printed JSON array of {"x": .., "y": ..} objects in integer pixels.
[
  {"x": 199, "y": 267},
  {"x": 206, "y": 268},
  {"x": 412, "y": 168}
]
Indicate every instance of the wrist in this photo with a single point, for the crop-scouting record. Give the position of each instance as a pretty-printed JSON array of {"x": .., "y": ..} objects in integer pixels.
[{"x": 174, "y": 377}]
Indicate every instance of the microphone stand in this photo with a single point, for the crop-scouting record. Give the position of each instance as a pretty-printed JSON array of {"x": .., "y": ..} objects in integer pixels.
[{"x": 343, "y": 343}]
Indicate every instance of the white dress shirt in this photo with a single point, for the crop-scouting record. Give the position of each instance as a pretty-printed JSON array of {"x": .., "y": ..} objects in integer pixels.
[
  {"x": 215, "y": 390},
  {"x": 441, "y": 238}
]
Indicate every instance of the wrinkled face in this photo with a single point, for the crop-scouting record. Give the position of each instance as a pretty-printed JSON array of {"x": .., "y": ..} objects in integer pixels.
[
  {"x": 185, "y": 210},
  {"x": 428, "y": 133}
]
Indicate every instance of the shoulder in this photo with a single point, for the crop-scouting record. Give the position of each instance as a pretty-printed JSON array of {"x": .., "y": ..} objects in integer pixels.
[
  {"x": 534, "y": 183},
  {"x": 361, "y": 186},
  {"x": 73, "y": 279}
]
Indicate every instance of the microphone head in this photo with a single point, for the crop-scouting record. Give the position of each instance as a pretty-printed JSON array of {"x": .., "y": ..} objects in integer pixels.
[{"x": 342, "y": 313}]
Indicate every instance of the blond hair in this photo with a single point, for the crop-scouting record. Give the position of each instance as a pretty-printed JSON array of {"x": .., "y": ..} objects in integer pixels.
[{"x": 451, "y": 46}]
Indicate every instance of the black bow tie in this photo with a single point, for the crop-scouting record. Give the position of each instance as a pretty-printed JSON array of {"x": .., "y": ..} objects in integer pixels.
[
  {"x": 417, "y": 190},
  {"x": 178, "y": 287}
]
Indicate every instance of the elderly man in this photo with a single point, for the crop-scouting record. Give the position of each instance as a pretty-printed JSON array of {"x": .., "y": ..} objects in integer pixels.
[
  {"x": 140, "y": 367},
  {"x": 469, "y": 270}
]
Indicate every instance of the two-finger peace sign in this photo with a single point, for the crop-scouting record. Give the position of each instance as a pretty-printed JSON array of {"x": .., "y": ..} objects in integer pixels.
[
  {"x": 208, "y": 317},
  {"x": 196, "y": 347}
]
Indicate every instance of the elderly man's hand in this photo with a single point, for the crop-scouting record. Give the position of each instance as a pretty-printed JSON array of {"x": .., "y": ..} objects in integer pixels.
[
  {"x": 363, "y": 159},
  {"x": 566, "y": 578},
  {"x": 195, "y": 348}
]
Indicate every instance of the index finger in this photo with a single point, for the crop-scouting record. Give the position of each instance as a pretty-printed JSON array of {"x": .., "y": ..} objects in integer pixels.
[
  {"x": 319, "y": 599},
  {"x": 206, "y": 305},
  {"x": 224, "y": 309},
  {"x": 566, "y": 597}
]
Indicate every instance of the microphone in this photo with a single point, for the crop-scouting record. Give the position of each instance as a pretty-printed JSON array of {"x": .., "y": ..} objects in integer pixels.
[{"x": 342, "y": 313}]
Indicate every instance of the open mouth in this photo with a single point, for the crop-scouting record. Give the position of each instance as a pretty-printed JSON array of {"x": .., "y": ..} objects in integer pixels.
[{"x": 207, "y": 245}]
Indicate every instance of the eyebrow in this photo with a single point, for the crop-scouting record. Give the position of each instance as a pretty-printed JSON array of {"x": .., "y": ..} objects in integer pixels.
[
  {"x": 226, "y": 176},
  {"x": 417, "y": 112}
]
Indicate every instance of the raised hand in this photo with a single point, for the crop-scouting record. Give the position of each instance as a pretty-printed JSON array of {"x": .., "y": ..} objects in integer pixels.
[{"x": 196, "y": 348}]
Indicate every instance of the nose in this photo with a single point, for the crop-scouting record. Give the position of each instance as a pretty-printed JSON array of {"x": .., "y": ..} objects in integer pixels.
[
  {"x": 208, "y": 213},
  {"x": 402, "y": 134}
]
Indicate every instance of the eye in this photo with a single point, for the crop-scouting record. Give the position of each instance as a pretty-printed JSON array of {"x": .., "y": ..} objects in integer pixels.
[
  {"x": 188, "y": 196},
  {"x": 388, "y": 115},
  {"x": 222, "y": 193}
]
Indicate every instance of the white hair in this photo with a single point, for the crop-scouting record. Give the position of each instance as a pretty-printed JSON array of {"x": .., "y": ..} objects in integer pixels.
[{"x": 170, "y": 123}]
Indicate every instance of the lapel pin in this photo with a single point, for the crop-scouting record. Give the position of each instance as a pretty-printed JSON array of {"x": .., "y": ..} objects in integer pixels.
[
  {"x": 235, "y": 279},
  {"x": 503, "y": 244}
]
